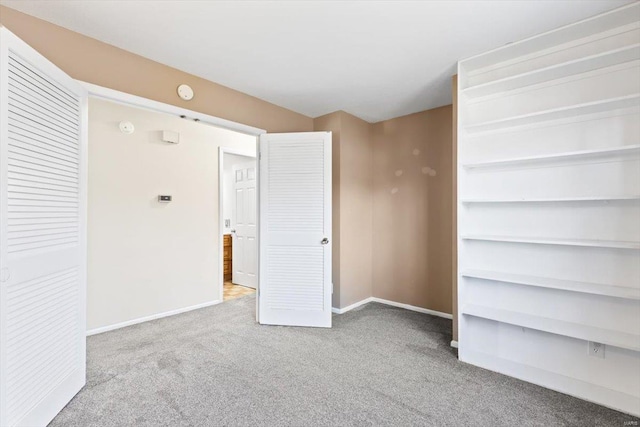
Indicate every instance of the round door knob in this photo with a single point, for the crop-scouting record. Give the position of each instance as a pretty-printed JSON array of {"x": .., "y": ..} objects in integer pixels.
[{"x": 325, "y": 241}]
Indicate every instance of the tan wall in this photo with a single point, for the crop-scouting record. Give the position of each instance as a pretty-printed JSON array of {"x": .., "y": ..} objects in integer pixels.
[
  {"x": 331, "y": 122},
  {"x": 352, "y": 206},
  {"x": 412, "y": 211},
  {"x": 90, "y": 60},
  {"x": 356, "y": 214},
  {"x": 454, "y": 207}
]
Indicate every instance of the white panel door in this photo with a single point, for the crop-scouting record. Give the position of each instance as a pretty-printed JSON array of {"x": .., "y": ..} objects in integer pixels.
[
  {"x": 295, "y": 229},
  {"x": 43, "y": 237},
  {"x": 245, "y": 211}
]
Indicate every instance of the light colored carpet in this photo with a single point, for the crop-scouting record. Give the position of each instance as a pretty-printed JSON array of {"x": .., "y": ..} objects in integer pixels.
[{"x": 378, "y": 365}]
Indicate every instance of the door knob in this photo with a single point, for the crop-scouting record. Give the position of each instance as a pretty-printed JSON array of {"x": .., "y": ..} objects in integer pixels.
[
  {"x": 324, "y": 241},
  {"x": 233, "y": 231}
]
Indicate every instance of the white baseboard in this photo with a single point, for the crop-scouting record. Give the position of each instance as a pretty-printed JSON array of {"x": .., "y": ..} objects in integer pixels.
[
  {"x": 148, "y": 318},
  {"x": 412, "y": 308},
  {"x": 394, "y": 304},
  {"x": 454, "y": 343},
  {"x": 352, "y": 306}
]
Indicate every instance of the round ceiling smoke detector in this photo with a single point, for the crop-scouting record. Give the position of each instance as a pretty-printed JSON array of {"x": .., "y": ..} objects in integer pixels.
[
  {"x": 127, "y": 127},
  {"x": 185, "y": 92}
]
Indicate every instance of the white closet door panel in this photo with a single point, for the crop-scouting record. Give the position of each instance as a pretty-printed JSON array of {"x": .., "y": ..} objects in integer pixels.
[
  {"x": 42, "y": 244},
  {"x": 295, "y": 206}
]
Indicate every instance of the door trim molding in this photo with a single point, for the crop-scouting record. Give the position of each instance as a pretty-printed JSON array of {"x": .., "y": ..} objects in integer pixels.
[
  {"x": 128, "y": 99},
  {"x": 156, "y": 316},
  {"x": 149, "y": 104}
]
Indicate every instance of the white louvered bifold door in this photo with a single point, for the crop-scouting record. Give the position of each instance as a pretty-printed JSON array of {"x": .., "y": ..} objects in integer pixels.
[
  {"x": 42, "y": 240},
  {"x": 295, "y": 229}
]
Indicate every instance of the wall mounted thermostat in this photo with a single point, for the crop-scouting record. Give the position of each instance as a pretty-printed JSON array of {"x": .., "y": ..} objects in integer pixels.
[
  {"x": 185, "y": 92},
  {"x": 164, "y": 199}
]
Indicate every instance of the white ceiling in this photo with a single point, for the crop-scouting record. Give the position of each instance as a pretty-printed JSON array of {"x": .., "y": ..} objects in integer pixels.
[{"x": 376, "y": 60}]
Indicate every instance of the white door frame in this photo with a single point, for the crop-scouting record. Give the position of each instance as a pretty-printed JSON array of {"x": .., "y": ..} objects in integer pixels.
[
  {"x": 221, "y": 152},
  {"x": 118, "y": 97}
]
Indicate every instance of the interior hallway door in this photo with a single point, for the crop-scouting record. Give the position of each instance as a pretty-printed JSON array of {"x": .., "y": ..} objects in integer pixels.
[{"x": 244, "y": 247}]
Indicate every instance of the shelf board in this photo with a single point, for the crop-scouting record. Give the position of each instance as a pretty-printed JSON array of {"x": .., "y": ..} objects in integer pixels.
[
  {"x": 626, "y": 150},
  {"x": 557, "y": 113},
  {"x": 559, "y": 327},
  {"x": 550, "y": 283},
  {"x": 555, "y": 199},
  {"x": 553, "y": 241},
  {"x": 565, "y": 69}
]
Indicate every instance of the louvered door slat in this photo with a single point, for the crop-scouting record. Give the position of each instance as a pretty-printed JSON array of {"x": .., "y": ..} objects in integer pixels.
[
  {"x": 42, "y": 244},
  {"x": 60, "y": 126},
  {"x": 44, "y": 85},
  {"x": 33, "y": 136},
  {"x": 28, "y": 101},
  {"x": 48, "y": 157},
  {"x": 22, "y": 121}
]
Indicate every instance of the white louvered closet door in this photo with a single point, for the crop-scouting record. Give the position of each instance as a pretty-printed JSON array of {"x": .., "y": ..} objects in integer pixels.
[
  {"x": 42, "y": 241},
  {"x": 295, "y": 229}
]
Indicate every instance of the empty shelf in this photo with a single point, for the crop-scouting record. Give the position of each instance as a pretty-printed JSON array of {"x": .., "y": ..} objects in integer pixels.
[
  {"x": 559, "y": 327},
  {"x": 566, "y": 285},
  {"x": 557, "y": 113},
  {"x": 553, "y": 241},
  {"x": 555, "y": 199},
  {"x": 565, "y": 69},
  {"x": 572, "y": 155}
]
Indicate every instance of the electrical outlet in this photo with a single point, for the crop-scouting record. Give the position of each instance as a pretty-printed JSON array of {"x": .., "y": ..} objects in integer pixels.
[{"x": 596, "y": 349}]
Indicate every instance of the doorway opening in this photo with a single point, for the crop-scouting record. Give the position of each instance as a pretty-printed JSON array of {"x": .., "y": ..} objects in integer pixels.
[
  {"x": 239, "y": 214},
  {"x": 153, "y": 212}
]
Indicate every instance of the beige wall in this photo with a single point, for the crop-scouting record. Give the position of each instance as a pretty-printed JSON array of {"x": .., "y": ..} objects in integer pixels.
[
  {"x": 412, "y": 210},
  {"x": 331, "y": 122},
  {"x": 393, "y": 235},
  {"x": 356, "y": 210},
  {"x": 352, "y": 203},
  {"x": 90, "y": 60},
  {"x": 147, "y": 257}
]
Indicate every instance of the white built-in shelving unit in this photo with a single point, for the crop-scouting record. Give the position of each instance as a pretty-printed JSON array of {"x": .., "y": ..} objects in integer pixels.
[{"x": 549, "y": 209}]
